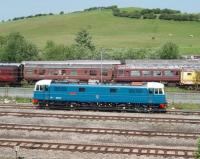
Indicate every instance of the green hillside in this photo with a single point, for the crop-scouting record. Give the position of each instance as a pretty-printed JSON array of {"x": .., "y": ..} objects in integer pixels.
[{"x": 108, "y": 31}]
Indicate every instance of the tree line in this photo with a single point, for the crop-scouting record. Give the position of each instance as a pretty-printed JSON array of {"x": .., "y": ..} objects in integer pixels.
[
  {"x": 15, "y": 48},
  {"x": 163, "y": 14}
]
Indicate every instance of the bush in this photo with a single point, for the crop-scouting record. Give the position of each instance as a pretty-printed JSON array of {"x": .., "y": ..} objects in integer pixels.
[
  {"x": 169, "y": 51},
  {"x": 149, "y": 16}
]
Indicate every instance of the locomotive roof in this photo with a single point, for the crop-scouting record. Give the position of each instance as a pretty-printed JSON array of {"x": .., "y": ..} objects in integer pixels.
[{"x": 145, "y": 85}]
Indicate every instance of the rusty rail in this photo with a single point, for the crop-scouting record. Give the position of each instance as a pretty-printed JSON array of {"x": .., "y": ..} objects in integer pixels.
[
  {"x": 123, "y": 132},
  {"x": 102, "y": 117}
]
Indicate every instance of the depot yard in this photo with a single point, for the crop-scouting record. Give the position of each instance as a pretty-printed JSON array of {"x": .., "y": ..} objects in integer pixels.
[{"x": 126, "y": 138}]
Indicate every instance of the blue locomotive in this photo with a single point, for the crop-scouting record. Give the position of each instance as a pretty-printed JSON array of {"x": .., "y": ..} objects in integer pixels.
[{"x": 147, "y": 97}]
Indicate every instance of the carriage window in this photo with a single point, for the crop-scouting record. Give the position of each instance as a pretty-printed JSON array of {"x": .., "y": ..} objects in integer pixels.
[
  {"x": 135, "y": 73},
  {"x": 189, "y": 74},
  {"x": 157, "y": 73},
  {"x": 60, "y": 89},
  {"x": 41, "y": 72},
  {"x": 151, "y": 90},
  {"x": 177, "y": 73},
  {"x": 73, "y": 73},
  {"x": 169, "y": 73},
  {"x": 105, "y": 73},
  {"x": 146, "y": 73},
  {"x": 54, "y": 72},
  {"x": 93, "y": 72},
  {"x": 81, "y": 89},
  {"x": 29, "y": 71},
  {"x": 121, "y": 72},
  {"x": 138, "y": 90},
  {"x": 113, "y": 90},
  {"x": 85, "y": 72}
]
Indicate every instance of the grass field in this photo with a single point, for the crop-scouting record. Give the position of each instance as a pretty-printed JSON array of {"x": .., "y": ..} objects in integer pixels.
[
  {"x": 108, "y": 31},
  {"x": 184, "y": 106}
]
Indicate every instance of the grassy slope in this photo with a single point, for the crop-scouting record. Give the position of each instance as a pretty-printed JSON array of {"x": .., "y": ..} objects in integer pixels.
[{"x": 107, "y": 30}]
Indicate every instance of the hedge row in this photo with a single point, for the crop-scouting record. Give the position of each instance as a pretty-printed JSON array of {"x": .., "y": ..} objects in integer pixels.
[{"x": 165, "y": 14}]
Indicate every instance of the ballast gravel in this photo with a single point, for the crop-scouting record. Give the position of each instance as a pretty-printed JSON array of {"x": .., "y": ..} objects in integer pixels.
[{"x": 8, "y": 153}]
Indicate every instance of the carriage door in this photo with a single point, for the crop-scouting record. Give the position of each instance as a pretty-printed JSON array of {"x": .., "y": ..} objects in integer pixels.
[
  {"x": 151, "y": 95},
  {"x": 44, "y": 91}
]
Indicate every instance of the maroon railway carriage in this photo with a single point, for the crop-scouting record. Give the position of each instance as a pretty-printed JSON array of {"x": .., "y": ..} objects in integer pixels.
[
  {"x": 124, "y": 73},
  {"x": 82, "y": 70},
  {"x": 165, "y": 71},
  {"x": 10, "y": 73}
]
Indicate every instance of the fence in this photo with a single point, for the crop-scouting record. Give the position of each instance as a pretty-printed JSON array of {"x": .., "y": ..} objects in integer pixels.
[{"x": 171, "y": 97}]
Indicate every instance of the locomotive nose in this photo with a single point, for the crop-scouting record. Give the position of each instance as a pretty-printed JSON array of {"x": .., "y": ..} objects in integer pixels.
[
  {"x": 34, "y": 101},
  {"x": 163, "y": 106}
]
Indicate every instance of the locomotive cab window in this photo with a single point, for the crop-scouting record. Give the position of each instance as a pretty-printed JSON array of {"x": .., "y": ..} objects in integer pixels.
[
  {"x": 160, "y": 91},
  {"x": 151, "y": 90},
  {"x": 41, "y": 88},
  {"x": 156, "y": 91}
]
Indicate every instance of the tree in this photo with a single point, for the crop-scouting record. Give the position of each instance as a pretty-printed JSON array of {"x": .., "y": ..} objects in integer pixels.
[
  {"x": 84, "y": 39},
  {"x": 54, "y": 52},
  {"x": 62, "y": 12},
  {"x": 169, "y": 51},
  {"x": 16, "y": 49}
]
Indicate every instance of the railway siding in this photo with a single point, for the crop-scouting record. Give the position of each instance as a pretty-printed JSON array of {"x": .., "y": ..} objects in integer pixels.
[{"x": 166, "y": 152}]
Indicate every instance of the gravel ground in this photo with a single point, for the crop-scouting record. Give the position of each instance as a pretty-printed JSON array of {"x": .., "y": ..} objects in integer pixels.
[
  {"x": 98, "y": 139},
  {"x": 103, "y": 124},
  {"x": 7, "y": 153}
]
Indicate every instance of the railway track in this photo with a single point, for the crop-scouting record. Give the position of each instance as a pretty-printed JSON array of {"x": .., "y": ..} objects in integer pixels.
[
  {"x": 174, "y": 112},
  {"x": 102, "y": 117},
  {"x": 41, "y": 145},
  {"x": 16, "y": 106},
  {"x": 183, "y": 112},
  {"x": 100, "y": 131}
]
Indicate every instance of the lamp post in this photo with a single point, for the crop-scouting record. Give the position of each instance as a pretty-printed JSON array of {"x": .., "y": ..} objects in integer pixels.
[{"x": 101, "y": 64}]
